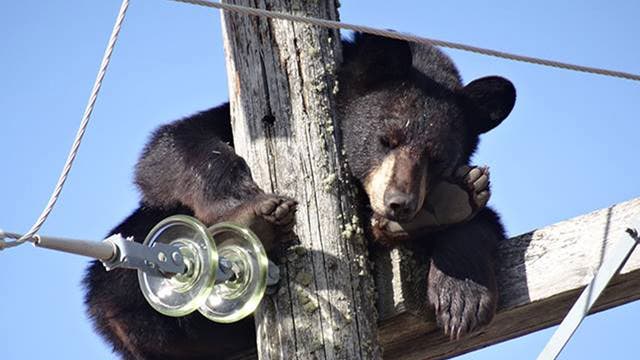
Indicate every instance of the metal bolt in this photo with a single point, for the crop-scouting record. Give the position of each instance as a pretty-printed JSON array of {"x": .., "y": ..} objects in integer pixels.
[
  {"x": 177, "y": 257},
  {"x": 273, "y": 274},
  {"x": 162, "y": 257}
]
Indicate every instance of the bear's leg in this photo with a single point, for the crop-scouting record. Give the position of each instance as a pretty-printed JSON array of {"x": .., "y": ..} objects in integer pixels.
[
  {"x": 461, "y": 282},
  {"x": 190, "y": 163}
]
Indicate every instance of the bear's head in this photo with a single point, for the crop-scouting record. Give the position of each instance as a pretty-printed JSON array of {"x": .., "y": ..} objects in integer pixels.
[{"x": 406, "y": 119}]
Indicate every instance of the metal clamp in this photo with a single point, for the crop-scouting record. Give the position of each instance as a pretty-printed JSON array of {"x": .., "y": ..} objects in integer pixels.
[
  {"x": 273, "y": 274},
  {"x": 158, "y": 260}
]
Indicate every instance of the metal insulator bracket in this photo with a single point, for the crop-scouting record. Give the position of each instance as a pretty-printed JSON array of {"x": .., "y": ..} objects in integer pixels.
[{"x": 158, "y": 260}]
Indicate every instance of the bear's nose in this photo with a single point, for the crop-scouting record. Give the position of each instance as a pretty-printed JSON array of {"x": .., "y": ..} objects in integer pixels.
[{"x": 399, "y": 206}]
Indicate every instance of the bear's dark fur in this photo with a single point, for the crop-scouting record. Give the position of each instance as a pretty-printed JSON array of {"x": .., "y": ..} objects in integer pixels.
[
  {"x": 407, "y": 122},
  {"x": 395, "y": 98}
]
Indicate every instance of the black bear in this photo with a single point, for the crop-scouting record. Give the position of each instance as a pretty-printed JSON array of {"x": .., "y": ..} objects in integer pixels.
[
  {"x": 408, "y": 122},
  {"x": 189, "y": 167}
]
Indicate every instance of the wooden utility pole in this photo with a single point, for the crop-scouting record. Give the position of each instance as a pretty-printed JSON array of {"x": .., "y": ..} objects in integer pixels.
[{"x": 281, "y": 87}]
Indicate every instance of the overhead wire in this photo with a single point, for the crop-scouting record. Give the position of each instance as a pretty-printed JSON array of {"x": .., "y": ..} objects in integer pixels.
[
  {"x": 78, "y": 138},
  {"x": 408, "y": 37}
]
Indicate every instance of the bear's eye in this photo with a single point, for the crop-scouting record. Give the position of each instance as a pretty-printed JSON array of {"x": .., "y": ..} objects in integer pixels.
[
  {"x": 386, "y": 143},
  {"x": 436, "y": 162}
]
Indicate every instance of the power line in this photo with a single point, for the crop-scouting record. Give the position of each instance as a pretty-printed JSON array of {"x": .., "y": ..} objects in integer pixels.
[
  {"x": 78, "y": 139},
  {"x": 409, "y": 37}
]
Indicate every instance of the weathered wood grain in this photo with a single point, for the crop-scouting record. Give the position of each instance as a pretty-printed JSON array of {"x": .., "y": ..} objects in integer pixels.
[
  {"x": 281, "y": 85},
  {"x": 540, "y": 275}
]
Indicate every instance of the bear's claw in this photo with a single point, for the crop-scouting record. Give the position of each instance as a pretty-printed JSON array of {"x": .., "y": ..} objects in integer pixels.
[{"x": 462, "y": 306}]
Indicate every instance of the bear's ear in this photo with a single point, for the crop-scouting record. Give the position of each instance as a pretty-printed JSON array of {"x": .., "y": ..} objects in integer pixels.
[
  {"x": 491, "y": 99},
  {"x": 370, "y": 59}
]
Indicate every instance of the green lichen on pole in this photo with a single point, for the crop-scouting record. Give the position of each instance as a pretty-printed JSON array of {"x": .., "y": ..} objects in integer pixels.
[{"x": 281, "y": 87}]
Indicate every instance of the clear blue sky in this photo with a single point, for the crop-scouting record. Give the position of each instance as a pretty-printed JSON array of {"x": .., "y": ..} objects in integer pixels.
[{"x": 568, "y": 148}]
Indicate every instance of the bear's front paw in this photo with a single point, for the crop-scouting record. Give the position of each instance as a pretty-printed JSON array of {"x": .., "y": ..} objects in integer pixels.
[
  {"x": 277, "y": 210},
  {"x": 462, "y": 306},
  {"x": 459, "y": 198}
]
